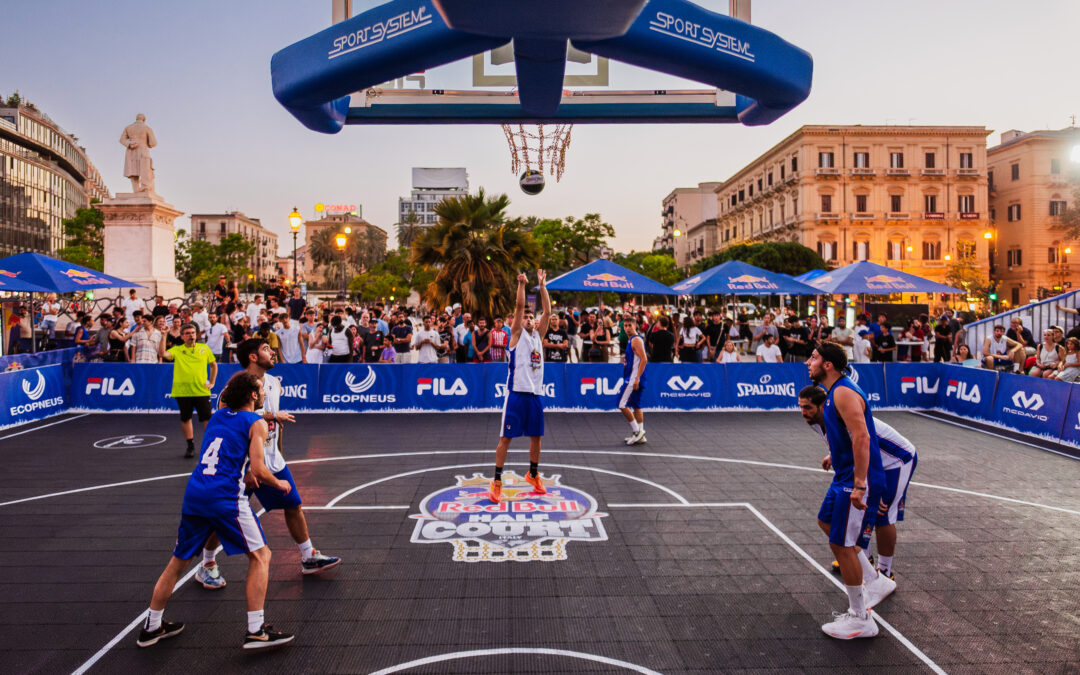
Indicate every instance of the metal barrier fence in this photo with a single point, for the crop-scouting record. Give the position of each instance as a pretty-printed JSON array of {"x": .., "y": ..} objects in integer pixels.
[{"x": 1036, "y": 317}]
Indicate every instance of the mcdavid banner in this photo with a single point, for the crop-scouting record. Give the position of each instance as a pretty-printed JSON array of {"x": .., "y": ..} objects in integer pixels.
[
  {"x": 765, "y": 386},
  {"x": 967, "y": 392},
  {"x": 1070, "y": 430},
  {"x": 686, "y": 387},
  {"x": 870, "y": 377},
  {"x": 31, "y": 394},
  {"x": 1031, "y": 404},
  {"x": 912, "y": 385}
]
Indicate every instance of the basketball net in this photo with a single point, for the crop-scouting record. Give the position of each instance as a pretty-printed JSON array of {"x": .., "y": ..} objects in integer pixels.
[{"x": 538, "y": 146}]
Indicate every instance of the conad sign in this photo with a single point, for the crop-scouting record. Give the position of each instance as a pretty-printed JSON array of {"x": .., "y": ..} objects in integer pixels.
[{"x": 338, "y": 208}]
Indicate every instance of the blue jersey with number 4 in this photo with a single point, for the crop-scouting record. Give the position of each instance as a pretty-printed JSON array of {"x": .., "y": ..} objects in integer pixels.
[{"x": 218, "y": 480}]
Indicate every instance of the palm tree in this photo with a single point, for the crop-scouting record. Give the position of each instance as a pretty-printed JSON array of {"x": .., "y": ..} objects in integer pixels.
[{"x": 475, "y": 254}]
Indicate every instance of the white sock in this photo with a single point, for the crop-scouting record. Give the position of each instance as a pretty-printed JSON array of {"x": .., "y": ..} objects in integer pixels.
[
  {"x": 153, "y": 620},
  {"x": 856, "y": 600},
  {"x": 255, "y": 621},
  {"x": 306, "y": 549},
  {"x": 884, "y": 563},
  {"x": 208, "y": 555},
  {"x": 868, "y": 571},
  {"x": 641, "y": 425},
  {"x": 634, "y": 426}
]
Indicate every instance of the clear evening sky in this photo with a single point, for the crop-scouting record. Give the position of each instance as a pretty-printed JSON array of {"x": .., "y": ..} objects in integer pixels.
[{"x": 200, "y": 71}]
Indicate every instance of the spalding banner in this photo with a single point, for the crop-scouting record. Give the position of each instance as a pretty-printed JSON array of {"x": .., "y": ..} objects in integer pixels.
[
  {"x": 495, "y": 378},
  {"x": 31, "y": 394},
  {"x": 870, "y": 377},
  {"x": 765, "y": 386}
]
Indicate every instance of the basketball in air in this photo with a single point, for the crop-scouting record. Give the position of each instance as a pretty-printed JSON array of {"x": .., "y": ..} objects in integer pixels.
[{"x": 532, "y": 182}]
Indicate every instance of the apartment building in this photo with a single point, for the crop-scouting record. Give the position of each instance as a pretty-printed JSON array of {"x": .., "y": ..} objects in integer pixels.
[{"x": 213, "y": 227}]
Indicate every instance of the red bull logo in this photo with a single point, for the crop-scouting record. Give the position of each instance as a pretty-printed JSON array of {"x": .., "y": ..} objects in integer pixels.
[
  {"x": 606, "y": 280},
  {"x": 747, "y": 279},
  {"x": 81, "y": 277},
  {"x": 884, "y": 279},
  {"x": 9, "y": 274},
  {"x": 523, "y": 527}
]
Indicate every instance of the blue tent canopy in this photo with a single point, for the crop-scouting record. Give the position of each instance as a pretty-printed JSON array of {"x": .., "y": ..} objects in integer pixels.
[
  {"x": 805, "y": 277},
  {"x": 607, "y": 277},
  {"x": 870, "y": 278},
  {"x": 55, "y": 276},
  {"x": 738, "y": 278},
  {"x": 12, "y": 281}
]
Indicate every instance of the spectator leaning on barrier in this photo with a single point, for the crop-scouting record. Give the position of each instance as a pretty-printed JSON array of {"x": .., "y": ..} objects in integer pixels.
[
  {"x": 885, "y": 344},
  {"x": 146, "y": 341},
  {"x": 862, "y": 346},
  {"x": 728, "y": 354},
  {"x": 101, "y": 338},
  {"x": 715, "y": 335},
  {"x": 194, "y": 374},
  {"x": 83, "y": 338},
  {"x": 388, "y": 354},
  {"x": 943, "y": 340},
  {"x": 1049, "y": 357},
  {"x": 798, "y": 341},
  {"x": 499, "y": 340}
]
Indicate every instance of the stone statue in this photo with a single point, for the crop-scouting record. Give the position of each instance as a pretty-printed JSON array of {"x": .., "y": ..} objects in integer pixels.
[{"x": 138, "y": 138}]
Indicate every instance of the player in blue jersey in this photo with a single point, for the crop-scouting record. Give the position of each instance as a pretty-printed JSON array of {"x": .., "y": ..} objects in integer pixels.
[
  {"x": 634, "y": 362},
  {"x": 214, "y": 502},
  {"x": 257, "y": 357},
  {"x": 898, "y": 459},
  {"x": 523, "y": 409},
  {"x": 858, "y": 480}
]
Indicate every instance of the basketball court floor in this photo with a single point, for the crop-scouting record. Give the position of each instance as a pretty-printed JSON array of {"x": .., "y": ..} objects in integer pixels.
[{"x": 695, "y": 553}]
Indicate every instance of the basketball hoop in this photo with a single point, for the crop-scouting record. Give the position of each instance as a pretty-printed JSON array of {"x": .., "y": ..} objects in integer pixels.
[{"x": 532, "y": 148}]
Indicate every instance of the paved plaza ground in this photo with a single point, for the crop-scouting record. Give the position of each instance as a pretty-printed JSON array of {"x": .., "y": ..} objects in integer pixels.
[{"x": 702, "y": 556}]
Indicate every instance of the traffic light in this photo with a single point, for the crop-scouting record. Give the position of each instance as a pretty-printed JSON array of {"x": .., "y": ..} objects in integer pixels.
[{"x": 993, "y": 296}]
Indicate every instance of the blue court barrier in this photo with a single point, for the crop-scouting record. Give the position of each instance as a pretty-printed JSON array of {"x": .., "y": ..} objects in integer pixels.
[
  {"x": 1046, "y": 408},
  {"x": 37, "y": 359},
  {"x": 32, "y": 394}
]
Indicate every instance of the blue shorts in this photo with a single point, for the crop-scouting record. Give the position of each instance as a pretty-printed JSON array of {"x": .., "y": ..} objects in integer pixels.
[
  {"x": 235, "y": 523},
  {"x": 523, "y": 415},
  {"x": 848, "y": 526},
  {"x": 630, "y": 397},
  {"x": 896, "y": 484},
  {"x": 272, "y": 498}
]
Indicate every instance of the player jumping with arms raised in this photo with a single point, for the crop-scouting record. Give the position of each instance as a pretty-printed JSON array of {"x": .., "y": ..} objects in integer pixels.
[
  {"x": 523, "y": 410},
  {"x": 634, "y": 362},
  {"x": 214, "y": 502},
  {"x": 858, "y": 480}
]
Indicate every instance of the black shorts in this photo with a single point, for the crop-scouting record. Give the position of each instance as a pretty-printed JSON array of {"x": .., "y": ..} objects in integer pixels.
[{"x": 191, "y": 403}]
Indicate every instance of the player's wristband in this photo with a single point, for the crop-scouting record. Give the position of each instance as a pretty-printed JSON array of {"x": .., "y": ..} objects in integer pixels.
[{"x": 857, "y": 487}]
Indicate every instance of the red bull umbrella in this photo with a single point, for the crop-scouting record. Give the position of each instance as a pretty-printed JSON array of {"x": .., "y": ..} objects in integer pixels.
[
  {"x": 48, "y": 275},
  {"x": 738, "y": 278},
  {"x": 607, "y": 277},
  {"x": 867, "y": 277}
]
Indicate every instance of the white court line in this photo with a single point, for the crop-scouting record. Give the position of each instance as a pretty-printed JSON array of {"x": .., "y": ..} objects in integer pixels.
[
  {"x": 514, "y": 650},
  {"x": 139, "y": 619},
  {"x": 96, "y": 487},
  {"x": 335, "y": 500},
  {"x": 798, "y": 549},
  {"x": 996, "y": 435},
  {"x": 355, "y": 508},
  {"x": 51, "y": 424}
]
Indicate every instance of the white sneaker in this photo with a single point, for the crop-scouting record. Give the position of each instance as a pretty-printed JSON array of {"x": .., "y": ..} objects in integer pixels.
[
  {"x": 636, "y": 437},
  {"x": 877, "y": 590},
  {"x": 210, "y": 576},
  {"x": 848, "y": 626}
]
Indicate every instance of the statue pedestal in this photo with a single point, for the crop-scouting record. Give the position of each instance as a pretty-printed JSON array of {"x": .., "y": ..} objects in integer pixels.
[{"x": 140, "y": 244}]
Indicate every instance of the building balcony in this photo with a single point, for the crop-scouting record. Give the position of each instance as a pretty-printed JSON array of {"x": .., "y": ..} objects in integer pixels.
[
  {"x": 967, "y": 173},
  {"x": 933, "y": 173},
  {"x": 827, "y": 172},
  {"x": 825, "y": 217},
  {"x": 933, "y": 215},
  {"x": 897, "y": 215},
  {"x": 1058, "y": 179},
  {"x": 862, "y": 172},
  {"x": 897, "y": 173},
  {"x": 933, "y": 263},
  {"x": 863, "y": 215}
]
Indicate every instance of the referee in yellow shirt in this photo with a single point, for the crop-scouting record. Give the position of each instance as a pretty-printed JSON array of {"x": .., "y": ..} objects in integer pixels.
[{"x": 194, "y": 373}]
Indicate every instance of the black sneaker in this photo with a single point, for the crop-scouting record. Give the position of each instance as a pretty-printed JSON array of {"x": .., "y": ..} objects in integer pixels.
[
  {"x": 318, "y": 563},
  {"x": 189, "y": 453},
  {"x": 266, "y": 638},
  {"x": 148, "y": 638}
]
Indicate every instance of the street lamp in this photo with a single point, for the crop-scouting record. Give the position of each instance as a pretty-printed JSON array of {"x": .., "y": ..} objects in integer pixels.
[
  {"x": 341, "y": 240},
  {"x": 295, "y": 220}
]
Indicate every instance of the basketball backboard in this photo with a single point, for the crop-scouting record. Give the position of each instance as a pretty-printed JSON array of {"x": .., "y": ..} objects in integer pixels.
[{"x": 483, "y": 88}]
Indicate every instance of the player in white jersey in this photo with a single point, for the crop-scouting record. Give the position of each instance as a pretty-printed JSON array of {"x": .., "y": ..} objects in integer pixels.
[
  {"x": 898, "y": 458},
  {"x": 523, "y": 410},
  {"x": 258, "y": 356}
]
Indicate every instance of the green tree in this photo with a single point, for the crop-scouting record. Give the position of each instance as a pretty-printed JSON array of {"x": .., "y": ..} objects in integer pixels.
[
  {"x": 788, "y": 257},
  {"x": 475, "y": 253},
  {"x": 85, "y": 239},
  {"x": 964, "y": 272},
  {"x": 408, "y": 230},
  {"x": 372, "y": 286},
  {"x": 199, "y": 263},
  {"x": 571, "y": 242},
  {"x": 657, "y": 266}
]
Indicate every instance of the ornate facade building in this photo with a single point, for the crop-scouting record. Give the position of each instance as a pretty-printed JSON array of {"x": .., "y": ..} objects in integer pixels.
[
  {"x": 213, "y": 227},
  {"x": 1033, "y": 177},
  {"x": 45, "y": 176}
]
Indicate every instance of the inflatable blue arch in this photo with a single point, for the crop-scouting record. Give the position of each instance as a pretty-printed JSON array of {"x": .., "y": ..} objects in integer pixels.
[{"x": 313, "y": 78}]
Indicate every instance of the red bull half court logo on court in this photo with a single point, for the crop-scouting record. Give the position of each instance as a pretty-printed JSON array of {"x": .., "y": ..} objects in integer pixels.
[
  {"x": 606, "y": 280},
  {"x": 525, "y": 526}
]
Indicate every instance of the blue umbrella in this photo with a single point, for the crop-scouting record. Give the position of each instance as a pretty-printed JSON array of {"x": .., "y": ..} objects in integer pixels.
[
  {"x": 867, "y": 277},
  {"x": 56, "y": 276},
  {"x": 606, "y": 276},
  {"x": 11, "y": 281},
  {"x": 736, "y": 277},
  {"x": 805, "y": 277}
]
